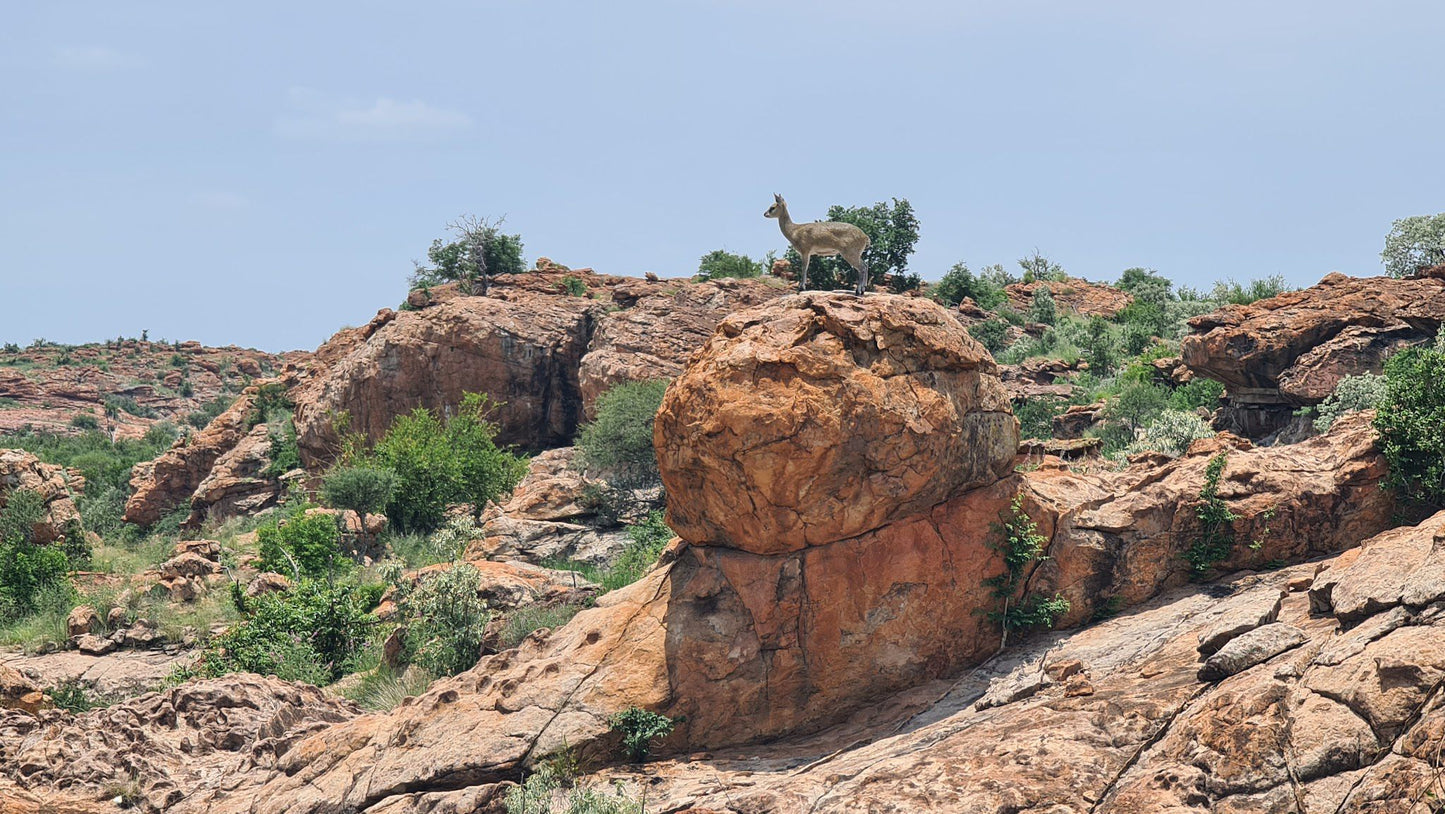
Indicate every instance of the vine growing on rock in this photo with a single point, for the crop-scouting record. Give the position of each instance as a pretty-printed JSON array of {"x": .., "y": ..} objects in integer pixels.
[
  {"x": 1216, "y": 533},
  {"x": 1017, "y": 540}
]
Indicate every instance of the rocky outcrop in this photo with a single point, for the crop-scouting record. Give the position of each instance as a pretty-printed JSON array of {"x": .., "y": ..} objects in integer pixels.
[
  {"x": 53, "y": 387},
  {"x": 237, "y": 484},
  {"x": 21, "y": 470},
  {"x": 1074, "y": 294},
  {"x": 658, "y": 329},
  {"x": 163, "y": 748},
  {"x": 161, "y": 485},
  {"x": 17, "y": 692},
  {"x": 1290, "y": 350},
  {"x": 824, "y": 417}
]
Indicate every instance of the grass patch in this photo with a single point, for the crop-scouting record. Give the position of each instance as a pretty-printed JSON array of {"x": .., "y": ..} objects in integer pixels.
[
  {"x": 522, "y": 622},
  {"x": 384, "y": 689}
]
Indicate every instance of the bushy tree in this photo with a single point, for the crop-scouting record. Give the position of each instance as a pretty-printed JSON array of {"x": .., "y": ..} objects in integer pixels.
[
  {"x": 446, "y": 620},
  {"x": 993, "y": 333},
  {"x": 479, "y": 252},
  {"x": 362, "y": 489},
  {"x": 1136, "y": 404},
  {"x": 1135, "y": 280},
  {"x": 1235, "y": 293},
  {"x": 308, "y": 545},
  {"x": 618, "y": 442},
  {"x": 1099, "y": 346},
  {"x": 1351, "y": 395},
  {"x": 1414, "y": 243},
  {"x": 313, "y": 633},
  {"x": 1411, "y": 421},
  {"x": 893, "y": 232},
  {"x": 985, "y": 289},
  {"x": 1170, "y": 432},
  {"x": 722, "y": 263},
  {"x": 1043, "y": 309},
  {"x": 28, "y": 570},
  {"x": 438, "y": 463}
]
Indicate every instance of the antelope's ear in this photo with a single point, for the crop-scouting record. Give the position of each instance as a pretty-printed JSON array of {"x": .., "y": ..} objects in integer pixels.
[{"x": 777, "y": 197}]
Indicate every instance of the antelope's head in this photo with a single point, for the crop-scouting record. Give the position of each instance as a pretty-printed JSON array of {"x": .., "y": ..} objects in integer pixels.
[{"x": 779, "y": 206}]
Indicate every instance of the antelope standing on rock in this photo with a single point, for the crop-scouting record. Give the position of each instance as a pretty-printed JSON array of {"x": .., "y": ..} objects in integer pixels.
[{"x": 822, "y": 239}]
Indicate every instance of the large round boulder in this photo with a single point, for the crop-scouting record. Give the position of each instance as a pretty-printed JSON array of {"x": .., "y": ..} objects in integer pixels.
[{"x": 821, "y": 416}]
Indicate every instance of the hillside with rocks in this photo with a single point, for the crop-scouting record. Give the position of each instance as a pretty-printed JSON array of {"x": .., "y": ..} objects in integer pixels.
[{"x": 874, "y": 587}]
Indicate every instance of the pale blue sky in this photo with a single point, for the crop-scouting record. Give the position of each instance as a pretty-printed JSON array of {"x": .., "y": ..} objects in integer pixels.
[{"x": 265, "y": 175}]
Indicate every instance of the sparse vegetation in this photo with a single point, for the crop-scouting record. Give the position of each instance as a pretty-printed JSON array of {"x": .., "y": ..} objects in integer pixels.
[
  {"x": 722, "y": 263},
  {"x": 361, "y": 489},
  {"x": 1351, "y": 395},
  {"x": 1016, "y": 538},
  {"x": 479, "y": 252},
  {"x": 1215, "y": 542},
  {"x": 29, "y": 571},
  {"x": 446, "y": 619},
  {"x": 639, "y": 728}
]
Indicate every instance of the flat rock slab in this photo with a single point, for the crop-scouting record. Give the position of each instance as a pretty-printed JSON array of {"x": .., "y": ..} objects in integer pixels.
[
  {"x": 1248, "y": 649},
  {"x": 122, "y": 673}
]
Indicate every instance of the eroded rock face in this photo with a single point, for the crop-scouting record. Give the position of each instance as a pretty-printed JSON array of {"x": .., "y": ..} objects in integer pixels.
[
  {"x": 236, "y": 484},
  {"x": 170, "y": 745},
  {"x": 22, "y": 470},
  {"x": 1074, "y": 294},
  {"x": 161, "y": 485},
  {"x": 822, "y": 416},
  {"x": 1289, "y": 350}
]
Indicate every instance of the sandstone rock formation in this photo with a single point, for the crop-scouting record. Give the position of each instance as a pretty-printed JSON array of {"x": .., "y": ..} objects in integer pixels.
[
  {"x": 236, "y": 483},
  {"x": 160, "y": 486},
  {"x": 22, "y": 470},
  {"x": 1277, "y": 354},
  {"x": 819, "y": 418},
  {"x": 1074, "y": 294}
]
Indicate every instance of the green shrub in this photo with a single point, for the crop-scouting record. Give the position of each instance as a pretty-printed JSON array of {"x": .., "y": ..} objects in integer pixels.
[
  {"x": 1170, "y": 432},
  {"x": 639, "y": 728},
  {"x": 1411, "y": 422},
  {"x": 648, "y": 539},
  {"x": 1036, "y": 417},
  {"x": 992, "y": 333},
  {"x": 285, "y": 453},
  {"x": 270, "y": 399},
  {"x": 1042, "y": 308},
  {"x": 1197, "y": 392},
  {"x": 619, "y": 441},
  {"x": 208, "y": 411},
  {"x": 549, "y": 791},
  {"x": 722, "y": 263},
  {"x": 73, "y": 697},
  {"x": 361, "y": 489},
  {"x": 439, "y": 464},
  {"x": 115, "y": 404},
  {"x": 308, "y": 545},
  {"x": 384, "y": 689},
  {"x": 1231, "y": 291},
  {"x": 1037, "y": 267},
  {"x": 85, "y": 421},
  {"x": 1129, "y": 411},
  {"x": 1215, "y": 542},
  {"x": 1351, "y": 395},
  {"x": 986, "y": 289},
  {"x": 1016, "y": 538},
  {"x": 28, "y": 570},
  {"x": 1100, "y": 346},
  {"x": 574, "y": 286},
  {"x": 446, "y": 620},
  {"x": 313, "y": 633}
]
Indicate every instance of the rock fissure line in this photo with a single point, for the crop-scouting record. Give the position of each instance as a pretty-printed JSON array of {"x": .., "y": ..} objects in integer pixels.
[{"x": 1149, "y": 743}]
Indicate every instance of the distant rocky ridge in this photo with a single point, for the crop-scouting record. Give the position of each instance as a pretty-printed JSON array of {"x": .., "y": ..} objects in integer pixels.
[{"x": 47, "y": 386}]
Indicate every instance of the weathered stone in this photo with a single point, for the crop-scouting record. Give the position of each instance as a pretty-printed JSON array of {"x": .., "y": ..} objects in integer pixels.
[
  {"x": 82, "y": 620},
  {"x": 827, "y": 416},
  {"x": 1242, "y": 616},
  {"x": 1253, "y": 647}
]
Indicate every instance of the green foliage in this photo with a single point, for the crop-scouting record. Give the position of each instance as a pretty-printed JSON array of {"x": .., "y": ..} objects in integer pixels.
[
  {"x": 1038, "y": 267},
  {"x": 1017, "y": 540},
  {"x": 307, "y": 545},
  {"x": 1033, "y": 612},
  {"x": 639, "y": 728},
  {"x": 479, "y": 253},
  {"x": 984, "y": 288},
  {"x": 1216, "y": 534},
  {"x": 362, "y": 489},
  {"x": 722, "y": 263},
  {"x": 313, "y": 633},
  {"x": 446, "y": 620},
  {"x": 1099, "y": 346},
  {"x": 992, "y": 333},
  {"x": 649, "y": 538},
  {"x": 28, "y": 570},
  {"x": 85, "y": 421},
  {"x": 270, "y": 400},
  {"x": 1198, "y": 392},
  {"x": 1414, "y": 243},
  {"x": 73, "y": 697},
  {"x": 115, "y": 404},
  {"x": 619, "y": 441},
  {"x": 574, "y": 286},
  {"x": 200, "y": 418},
  {"x": 1231, "y": 291},
  {"x": 1351, "y": 395},
  {"x": 1043, "y": 309},
  {"x": 437, "y": 464},
  {"x": 1411, "y": 422},
  {"x": 892, "y": 230},
  {"x": 1036, "y": 417},
  {"x": 1170, "y": 432},
  {"x": 1136, "y": 404},
  {"x": 285, "y": 453}
]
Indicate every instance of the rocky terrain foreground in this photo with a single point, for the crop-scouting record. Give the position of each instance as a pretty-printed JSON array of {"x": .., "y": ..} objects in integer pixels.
[{"x": 821, "y": 629}]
